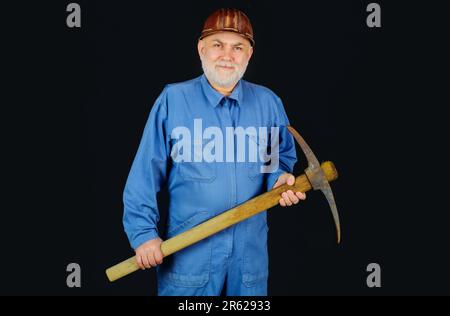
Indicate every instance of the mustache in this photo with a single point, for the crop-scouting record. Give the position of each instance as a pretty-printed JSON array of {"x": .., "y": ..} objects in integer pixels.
[{"x": 226, "y": 64}]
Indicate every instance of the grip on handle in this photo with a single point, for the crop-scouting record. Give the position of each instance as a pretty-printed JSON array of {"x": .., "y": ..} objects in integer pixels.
[{"x": 228, "y": 218}]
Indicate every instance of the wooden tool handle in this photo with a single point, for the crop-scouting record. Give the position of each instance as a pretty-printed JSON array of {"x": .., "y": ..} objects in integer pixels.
[{"x": 239, "y": 213}]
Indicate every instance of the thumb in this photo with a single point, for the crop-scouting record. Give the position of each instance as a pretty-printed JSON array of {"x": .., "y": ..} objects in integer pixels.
[
  {"x": 290, "y": 180},
  {"x": 281, "y": 180}
]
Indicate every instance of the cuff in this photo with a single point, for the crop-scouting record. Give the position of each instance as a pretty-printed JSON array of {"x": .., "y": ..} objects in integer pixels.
[{"x": 144, "y": 237}]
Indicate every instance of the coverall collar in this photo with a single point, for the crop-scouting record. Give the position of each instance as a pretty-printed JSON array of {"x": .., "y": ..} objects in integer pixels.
[{"x": 214, "y": 97}]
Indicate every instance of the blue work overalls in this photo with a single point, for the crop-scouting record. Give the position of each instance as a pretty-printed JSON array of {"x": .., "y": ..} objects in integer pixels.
[{"x": 198, "y": 190}]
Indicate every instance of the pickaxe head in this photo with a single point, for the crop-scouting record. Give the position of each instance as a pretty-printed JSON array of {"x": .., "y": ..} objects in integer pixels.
[{"x": 317, "y": 178}]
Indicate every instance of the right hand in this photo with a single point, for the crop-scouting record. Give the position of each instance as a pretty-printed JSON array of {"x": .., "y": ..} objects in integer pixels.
[{"x": 149, "y": 254}]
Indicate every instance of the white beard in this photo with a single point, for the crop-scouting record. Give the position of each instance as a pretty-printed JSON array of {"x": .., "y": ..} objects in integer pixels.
[{"x": 223, "y": 80}]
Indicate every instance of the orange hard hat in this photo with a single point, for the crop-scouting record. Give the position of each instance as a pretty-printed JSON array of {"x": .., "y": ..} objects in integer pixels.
[{"x": 228, "y": 20}]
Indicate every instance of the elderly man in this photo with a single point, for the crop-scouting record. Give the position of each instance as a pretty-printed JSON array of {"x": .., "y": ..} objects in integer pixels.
[{"x": 235, "y": 260}]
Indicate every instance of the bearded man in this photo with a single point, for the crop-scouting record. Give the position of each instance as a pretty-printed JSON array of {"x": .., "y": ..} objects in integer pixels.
[{"x": 234, "y": 261}]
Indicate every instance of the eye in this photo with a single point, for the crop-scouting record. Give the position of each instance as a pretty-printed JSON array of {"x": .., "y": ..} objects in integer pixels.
[
  {"x": 216, "y": 45},
  {"x": 238, "y": 48}
]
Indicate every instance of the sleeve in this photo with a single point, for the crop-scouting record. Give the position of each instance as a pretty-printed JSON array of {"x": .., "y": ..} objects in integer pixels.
[
  {"x": 287, "y": 154},
  {"x": 146, "y": 177}
]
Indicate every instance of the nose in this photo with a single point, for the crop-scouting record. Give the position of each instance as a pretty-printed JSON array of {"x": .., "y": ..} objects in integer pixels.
[{"x": 227, "y": 53}]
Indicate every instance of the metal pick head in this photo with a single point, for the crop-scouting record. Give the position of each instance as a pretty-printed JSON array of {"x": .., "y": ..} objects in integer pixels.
[{"x": 317, "y": 178}]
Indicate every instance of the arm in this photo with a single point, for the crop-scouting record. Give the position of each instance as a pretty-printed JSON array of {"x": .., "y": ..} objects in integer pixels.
[
  {"x": 287, "y": 156},
  {"x": 287, "y": 159},
  {"x": 146, "y": 177}
]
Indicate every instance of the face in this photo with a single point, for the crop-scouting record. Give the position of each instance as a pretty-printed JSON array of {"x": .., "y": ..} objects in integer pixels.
[{"x": 224, "y": 57}]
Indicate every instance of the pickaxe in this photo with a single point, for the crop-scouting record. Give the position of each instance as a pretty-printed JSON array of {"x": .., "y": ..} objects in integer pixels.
[{"x": 316, "y": 177}]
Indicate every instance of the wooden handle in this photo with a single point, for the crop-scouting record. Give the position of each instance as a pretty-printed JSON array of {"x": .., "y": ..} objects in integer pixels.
[{"x": 239, "y": 213}]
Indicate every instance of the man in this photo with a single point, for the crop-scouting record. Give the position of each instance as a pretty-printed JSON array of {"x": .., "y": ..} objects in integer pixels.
[{"x": 236, "y": 258}]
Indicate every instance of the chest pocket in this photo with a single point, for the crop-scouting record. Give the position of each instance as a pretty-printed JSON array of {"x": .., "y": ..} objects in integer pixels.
[{"x": 198, "y": 171}]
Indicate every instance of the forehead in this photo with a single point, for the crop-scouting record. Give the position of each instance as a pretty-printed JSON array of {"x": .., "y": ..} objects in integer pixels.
[{"x": 227, "y": 38}]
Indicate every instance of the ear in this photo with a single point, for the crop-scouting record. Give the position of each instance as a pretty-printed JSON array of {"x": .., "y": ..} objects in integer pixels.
[
  {"x": 200, "y": 46},
  {"x": 250, "y": 53}
]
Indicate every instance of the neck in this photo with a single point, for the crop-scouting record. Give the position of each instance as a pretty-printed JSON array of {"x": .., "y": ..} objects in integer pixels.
[{"x": 226, "y": 91}]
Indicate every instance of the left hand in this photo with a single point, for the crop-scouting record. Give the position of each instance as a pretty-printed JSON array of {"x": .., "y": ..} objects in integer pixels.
[{"x": 288, "y": 197}]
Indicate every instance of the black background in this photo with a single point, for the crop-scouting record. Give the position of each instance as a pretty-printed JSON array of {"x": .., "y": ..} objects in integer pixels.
[{"x": 76, "y": 102}]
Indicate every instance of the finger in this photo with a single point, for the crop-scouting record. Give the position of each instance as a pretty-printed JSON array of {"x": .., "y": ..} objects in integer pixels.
[
  {"x": 151, "y": 259},
  {"x": 139, "y": 262},
  {"x": 300, "y": 195},
  {"x": 286, "y": 199},
  {"x": 145, "y": 261},
  {"x": 158, "y": 257},
  {"x": 294, "y": 199},
  {"x": 282, "y": 202},
  {"x": 290, "y": 180}
]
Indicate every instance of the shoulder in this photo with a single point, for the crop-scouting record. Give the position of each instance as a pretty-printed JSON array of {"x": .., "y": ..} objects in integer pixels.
[
  {"x": 267, "y": 101},
  {"x": 174, "y": 95},
  {"x": 266, "y": 98},
  {"x": 260, "y": 91},
  {"x": 184, "y": 86},
  {"x": 173, "y": 92}
]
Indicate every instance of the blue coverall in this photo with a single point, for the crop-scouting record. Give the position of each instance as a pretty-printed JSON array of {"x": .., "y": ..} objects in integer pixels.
[{"x": 237, "y": 256}]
